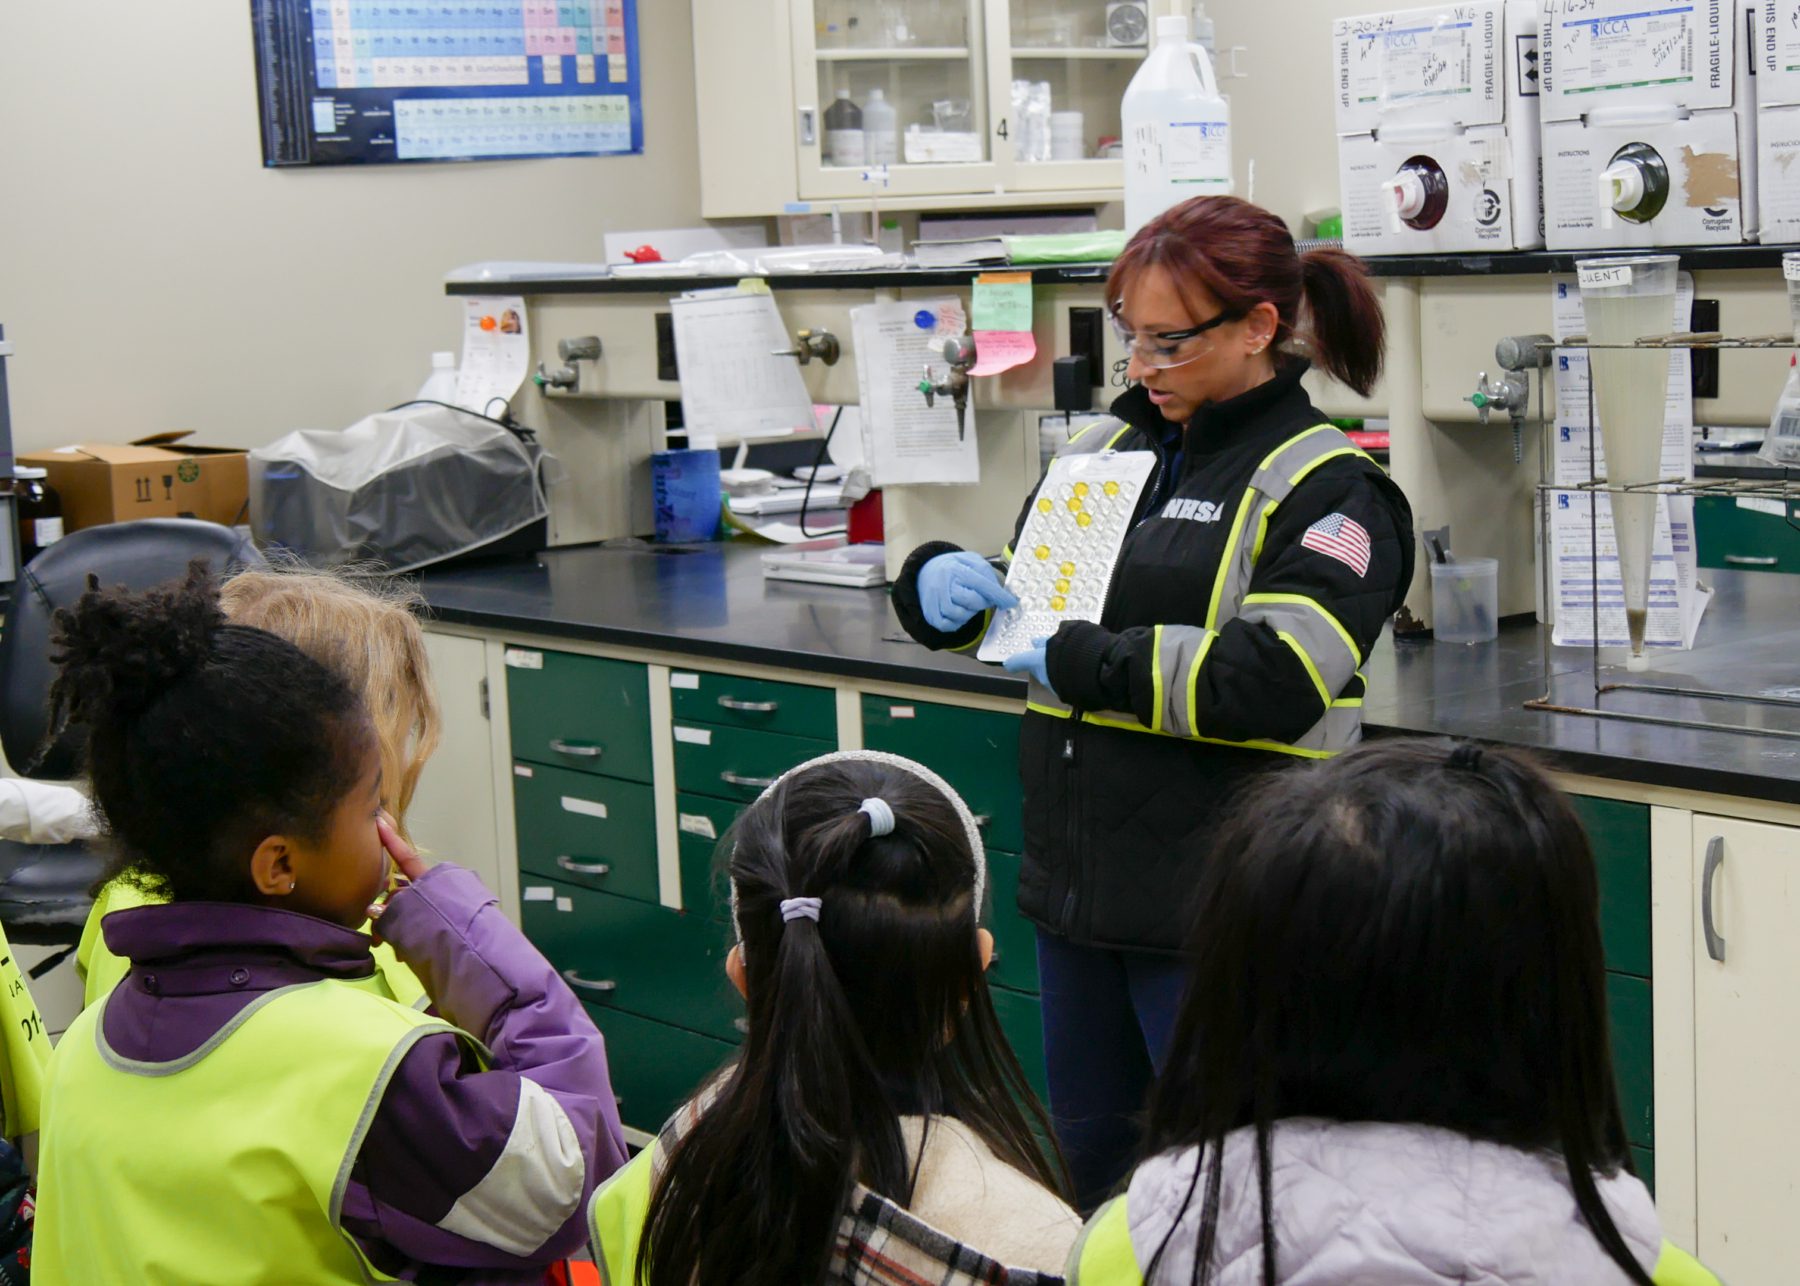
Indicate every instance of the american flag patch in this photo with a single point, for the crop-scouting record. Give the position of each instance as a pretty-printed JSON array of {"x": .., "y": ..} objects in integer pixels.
[{"x": 1341, "y": 537}]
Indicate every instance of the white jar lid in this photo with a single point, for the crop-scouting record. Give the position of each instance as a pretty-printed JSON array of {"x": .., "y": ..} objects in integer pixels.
[{"x": 29, "y": 473}]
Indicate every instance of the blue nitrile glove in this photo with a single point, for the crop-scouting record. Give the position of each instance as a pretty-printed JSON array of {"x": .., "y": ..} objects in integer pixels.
[
  {"x": 1033, "y": 661},
  {"x": 954, "y": 587}
]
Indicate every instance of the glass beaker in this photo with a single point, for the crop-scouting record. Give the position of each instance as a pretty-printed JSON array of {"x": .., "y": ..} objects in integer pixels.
[{"x": 1625, "y": 300}]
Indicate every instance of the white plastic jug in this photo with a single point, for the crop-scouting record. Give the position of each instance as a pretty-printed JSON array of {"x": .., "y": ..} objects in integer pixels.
[{"x": 1177, "y": 127}]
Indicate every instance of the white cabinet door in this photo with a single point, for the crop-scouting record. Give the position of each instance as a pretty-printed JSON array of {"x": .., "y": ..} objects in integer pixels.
[
  {"x": 1059, "y": 70},
  {"x": 452, "y": 813},
  {"x": 1747, "y": 1047}
]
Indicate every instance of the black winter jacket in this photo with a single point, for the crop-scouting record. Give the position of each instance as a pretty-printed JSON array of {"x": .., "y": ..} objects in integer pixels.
[{"x": 1117, "y": 818}]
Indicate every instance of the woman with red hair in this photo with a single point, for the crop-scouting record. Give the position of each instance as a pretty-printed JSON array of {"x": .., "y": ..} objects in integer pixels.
[{"x": 1264, "y": 558}]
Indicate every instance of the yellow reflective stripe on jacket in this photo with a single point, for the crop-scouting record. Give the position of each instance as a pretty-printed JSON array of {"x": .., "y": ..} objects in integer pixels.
[
  {"x": 1675, "y": 1267},
  {"x": 1176, "y": 655},
  {"x": 616, "y": 1217},
  {"x": 1125, "y": 723},
  {"x": 1326, "y": 650},
  {"x": 1104, "y": 1255}
]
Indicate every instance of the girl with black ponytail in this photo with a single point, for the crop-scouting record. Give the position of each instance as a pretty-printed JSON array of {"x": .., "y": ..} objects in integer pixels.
[{"x": 876, "y": 1108}]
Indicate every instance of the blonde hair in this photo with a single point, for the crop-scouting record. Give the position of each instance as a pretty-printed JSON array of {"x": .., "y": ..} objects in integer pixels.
[{"x": 363, "y": 626}]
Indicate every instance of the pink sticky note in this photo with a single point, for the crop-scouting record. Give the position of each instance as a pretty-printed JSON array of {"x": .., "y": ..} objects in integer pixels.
[{"x": 1001, "y": 350}]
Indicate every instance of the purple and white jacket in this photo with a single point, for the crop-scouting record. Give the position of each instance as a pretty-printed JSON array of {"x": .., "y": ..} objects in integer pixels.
[{"x": 488, "y": 1172}]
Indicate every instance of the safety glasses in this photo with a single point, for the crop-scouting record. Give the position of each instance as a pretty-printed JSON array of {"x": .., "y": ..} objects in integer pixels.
[{"x": 1163, "y": 350}]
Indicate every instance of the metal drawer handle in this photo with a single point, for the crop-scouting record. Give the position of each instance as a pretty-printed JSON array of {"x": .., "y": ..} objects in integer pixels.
[
  {"x": 562, "y": 747},
  {"x": 750, "y": 707},
  {"x": 605, "y": 986},
  {"x": 1748, "y": 560},
  {"x": 1715, "y": 858},
  {"x": 753, "y": 783},
  {"x": 573, "y": 867}
]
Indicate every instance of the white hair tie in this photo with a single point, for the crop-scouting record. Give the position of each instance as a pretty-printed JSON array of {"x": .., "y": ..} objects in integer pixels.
[
  {"x": 800, "y": 909},
  {"x": 881, "y": 816}
]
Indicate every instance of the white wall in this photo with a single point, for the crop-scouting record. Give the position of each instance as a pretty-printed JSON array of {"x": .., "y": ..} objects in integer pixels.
[
  {"x": 1282, "y": 114},
  {"x": 154, "y": 276}
]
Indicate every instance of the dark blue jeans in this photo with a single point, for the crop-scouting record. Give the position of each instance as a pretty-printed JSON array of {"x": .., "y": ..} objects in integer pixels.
[{"x": 1108, "y": 1017}]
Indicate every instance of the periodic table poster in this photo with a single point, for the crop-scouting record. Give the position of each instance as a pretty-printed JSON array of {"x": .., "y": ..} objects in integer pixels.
[{"x": 356, "y": 82}]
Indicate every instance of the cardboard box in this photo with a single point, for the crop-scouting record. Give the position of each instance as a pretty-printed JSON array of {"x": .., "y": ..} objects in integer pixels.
[
  {"x": 1673, "y": 86},
  {"x": 1778, "y": 120},
  {"x": 1448, "y": 93},
  {"x": 151, "y": 478}
]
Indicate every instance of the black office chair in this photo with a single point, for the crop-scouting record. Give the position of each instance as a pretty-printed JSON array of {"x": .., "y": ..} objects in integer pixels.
[{"x": 44, "y": 896}]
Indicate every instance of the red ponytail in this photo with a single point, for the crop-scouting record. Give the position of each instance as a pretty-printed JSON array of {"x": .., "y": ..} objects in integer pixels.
[{"x": 1243, "y": 255}]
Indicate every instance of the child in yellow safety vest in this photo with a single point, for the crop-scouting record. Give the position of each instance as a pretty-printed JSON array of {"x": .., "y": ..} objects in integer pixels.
[
  {"x": 1392, "y": 1061},
  {"x": 250, "y": 1104},
  {"x": 362, "y": 626},
  {"x": 876, "y": 1127}
]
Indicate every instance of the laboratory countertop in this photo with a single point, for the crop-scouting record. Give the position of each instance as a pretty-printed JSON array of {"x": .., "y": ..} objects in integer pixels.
[
  {"x": 1510, "y": 263},
  {"x": 711, "y": 602}
]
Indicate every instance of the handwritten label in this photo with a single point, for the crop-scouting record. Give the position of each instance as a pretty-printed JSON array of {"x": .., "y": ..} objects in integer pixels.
[
  {"x": 680, "y": 680},
  {"x": 697, "y": 824},
  {"x": 1001, "y": 350},
  {"x": 565, "y": 905},
  {"x": 538, "y": 893},
  {"x": 518, "y": 658},
  {"x": 586, "y": 807},
  {"x": 1790, "y": 267},
  {"x": 1002, "y": 301},
  {"x": 1600, "y": 277},
  {"x": 902, "y": 712},
  {"x": 694, "y": 736},
  {"x": 520, "y": 770}
]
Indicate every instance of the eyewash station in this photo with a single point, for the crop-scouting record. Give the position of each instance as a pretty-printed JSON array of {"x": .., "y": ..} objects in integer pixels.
[{"x": 886, "y": 310}]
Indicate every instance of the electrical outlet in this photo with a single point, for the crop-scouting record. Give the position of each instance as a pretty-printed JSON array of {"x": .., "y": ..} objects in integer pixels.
[
  {"x": 666, "y": 369},
  {"x": 1087, "y": 338}
]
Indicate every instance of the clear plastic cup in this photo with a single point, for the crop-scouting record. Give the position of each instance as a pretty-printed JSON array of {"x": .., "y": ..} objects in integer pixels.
[{"x": 1465, "y": 600}]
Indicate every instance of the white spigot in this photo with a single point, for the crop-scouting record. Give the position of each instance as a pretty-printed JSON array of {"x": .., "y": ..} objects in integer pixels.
[{"x": 1621, "y": 189}]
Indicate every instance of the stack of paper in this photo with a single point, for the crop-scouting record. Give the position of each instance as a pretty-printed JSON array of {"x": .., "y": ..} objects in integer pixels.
[{"x": 962, "y": 252}]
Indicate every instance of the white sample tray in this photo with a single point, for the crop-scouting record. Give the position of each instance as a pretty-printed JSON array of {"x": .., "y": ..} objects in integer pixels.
[{"x": 1064, "y": 560}]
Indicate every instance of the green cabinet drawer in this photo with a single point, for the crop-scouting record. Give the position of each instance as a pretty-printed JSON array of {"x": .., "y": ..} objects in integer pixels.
[
  {"x": 1645, "y": 1161},
  {"x": 655, "y": 1068},
  {"x": 731, "y": 763},
  {"x": 647, "y": 960},
  {"x": 581, "y": 712},
  {"x": 593, "y": 831},
  {"x": 1023, "y": 1022},
  {"x": 1628, "y": 1008},
  {"x": 1620, "y": 835},
  {"x": 976, "y": 751},
  {"x": 1728, "y": 535},
  {"x": 703, "y": 823},
  {"x": 792, "y": 709},
  {"x": 1015, "y": 937}
]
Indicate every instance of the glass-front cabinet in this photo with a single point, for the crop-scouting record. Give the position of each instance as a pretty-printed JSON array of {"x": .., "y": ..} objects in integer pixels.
[{"x": 907, "y": 98}]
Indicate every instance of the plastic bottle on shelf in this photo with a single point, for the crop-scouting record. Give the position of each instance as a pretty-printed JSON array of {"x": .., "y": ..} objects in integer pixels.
[
  {"x": 440, "y": 385},
  {"x": 1177, "y": 127},
  {"x": 881, "y": 130},
  {"x": 1203, "y": 30},
  {"x": 844, "y": 132}
]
